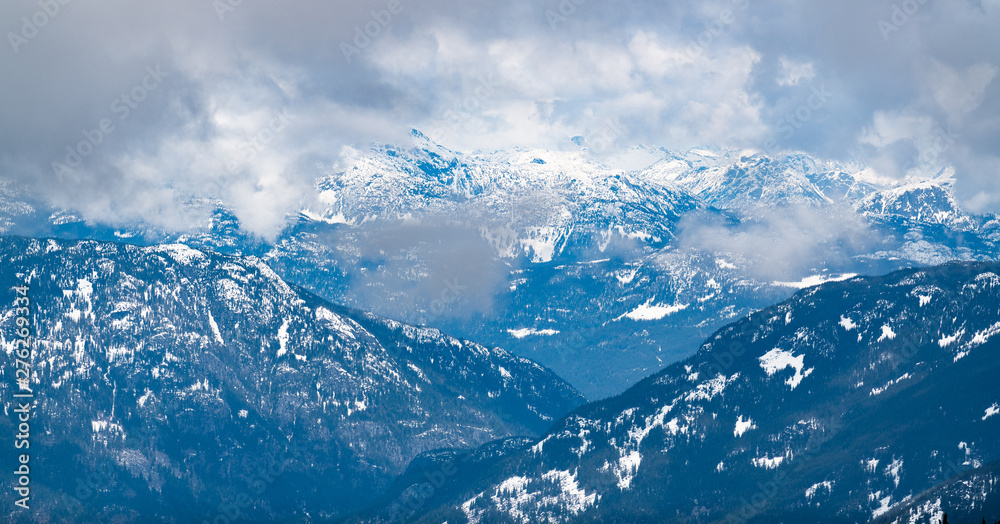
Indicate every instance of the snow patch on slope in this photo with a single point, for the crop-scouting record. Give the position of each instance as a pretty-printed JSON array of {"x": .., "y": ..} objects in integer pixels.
[
  {"x": 811, "y": 492},
  {"x": 524, "y": 332},
  {"x": 768, "y": 462},
  {"x": 215, "y": 329},
  {"x": 949, "y": 340},
  {"x": 742, "y": 426},
  {"x": 887, "y": 333},
  {"x": 814, "y": 280},
  {"x": 778, "y": 359},
  {"x": 648, "y": 311},
  {"x": 283, "y": 338}
]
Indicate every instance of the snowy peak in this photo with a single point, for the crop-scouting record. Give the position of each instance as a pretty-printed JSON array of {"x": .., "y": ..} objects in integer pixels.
[
  {"x": 920, "y": 201},
  {"x": 526, "y": 203},
  {"x": 572, "y": 242},
  {"x": 748, "y": 180}
]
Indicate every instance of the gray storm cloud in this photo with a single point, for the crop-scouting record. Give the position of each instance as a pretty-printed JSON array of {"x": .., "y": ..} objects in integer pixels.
[{"x": 252, "y": 100}]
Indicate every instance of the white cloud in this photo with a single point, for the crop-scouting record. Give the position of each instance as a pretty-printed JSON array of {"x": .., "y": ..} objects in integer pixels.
[
  {"x": 782, "y": 244},
  {"x": 960, "y": 93},
  {"x": 620, "y": 71},
  {"x": 655, "y": 59},
  {"x": 794, "y": 73}
]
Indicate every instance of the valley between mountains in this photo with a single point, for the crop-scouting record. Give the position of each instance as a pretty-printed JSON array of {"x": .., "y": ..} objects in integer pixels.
[{"x": 520, "y": 336}]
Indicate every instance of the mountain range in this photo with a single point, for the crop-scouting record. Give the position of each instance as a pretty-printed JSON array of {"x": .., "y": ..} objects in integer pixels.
[
  {"x": 559, "y": 255},
  {"x": 420, "y": 342},
  {"x": 567, "y": 257},
  {"x": 184, "y": 377},
  {"x": 868, "y": 400}
]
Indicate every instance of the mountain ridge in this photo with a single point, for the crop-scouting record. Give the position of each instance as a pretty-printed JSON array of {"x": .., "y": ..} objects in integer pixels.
[
  {"x": 779, "y": 416},
  {"x": 184, "y": 375},
  {"x": 564, "y": 253}
]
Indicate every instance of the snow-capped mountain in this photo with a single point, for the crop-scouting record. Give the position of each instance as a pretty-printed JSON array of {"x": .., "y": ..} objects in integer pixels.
[
  {"x": 527, "y": 203},
  {"x": 922, "y": 202},
  {"x": 728, "y": 180},
  {"x": 13, "y": 208},
  {"x": 582, "y": 260},
  {"x": 603, "y": 273},
  {"x": 566, "y": 258},
  {"x": 168, "y": 381},
  {"x": 871, "y": 399},
  {"x": 533, "y": 192}
]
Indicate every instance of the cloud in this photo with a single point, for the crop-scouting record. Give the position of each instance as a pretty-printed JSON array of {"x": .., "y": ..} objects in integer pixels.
[
  {"x": 783, "y": 244},
  {"x": 793, "y": 73},
  {"x": 425, "y": 271},
  {"x": 958, "y": 93},
  {"x": 480, "y": 75}
]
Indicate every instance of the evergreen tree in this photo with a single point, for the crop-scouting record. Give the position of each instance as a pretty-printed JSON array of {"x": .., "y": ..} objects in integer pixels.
[{"x": 945, "y": 520}]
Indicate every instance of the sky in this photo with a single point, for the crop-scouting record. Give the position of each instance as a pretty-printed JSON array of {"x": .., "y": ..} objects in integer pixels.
[{"x": 126, "y": 111}]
